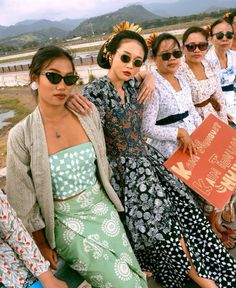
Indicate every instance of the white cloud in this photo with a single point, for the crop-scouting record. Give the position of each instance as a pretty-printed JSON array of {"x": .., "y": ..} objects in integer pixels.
[{"x": 13, "y": 11}]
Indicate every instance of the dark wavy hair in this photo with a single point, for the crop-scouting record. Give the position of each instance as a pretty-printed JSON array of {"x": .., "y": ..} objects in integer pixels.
[
  {"x": 114, "y": 44},
  {"x": 194, "y": 29},
  {"x": 230, "y": 17},
  {"x": 157, "y": 42}
]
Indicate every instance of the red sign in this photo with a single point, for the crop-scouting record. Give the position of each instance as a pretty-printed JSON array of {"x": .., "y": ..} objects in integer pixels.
[{"x": 212, "y": 172}]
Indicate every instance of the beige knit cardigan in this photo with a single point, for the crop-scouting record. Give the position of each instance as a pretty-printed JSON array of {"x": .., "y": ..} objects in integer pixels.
[{"x": 29, "y": 187}]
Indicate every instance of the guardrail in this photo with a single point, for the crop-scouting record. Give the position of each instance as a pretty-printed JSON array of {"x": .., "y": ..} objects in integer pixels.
[
  {"x": 79, "y": 61},
  {"x": 18, "y": 75}
]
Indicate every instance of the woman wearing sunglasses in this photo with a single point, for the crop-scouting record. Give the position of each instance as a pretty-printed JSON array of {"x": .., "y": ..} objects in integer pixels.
[
  {"x": 169, "y": 117},
  {"x": 231, "y": 18},
  {"x": 21, "y": 263},
  {"x": 58, "y": 181},
  {"x": 201, "y": 75},
  {"x": 167, "y": 230},
  {"x": 220, "y": 55},
  {"x": 207, "y": 95}
]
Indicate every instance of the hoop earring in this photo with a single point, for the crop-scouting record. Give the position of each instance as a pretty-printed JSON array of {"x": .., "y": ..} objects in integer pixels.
[{"x": 34, "y": 85}]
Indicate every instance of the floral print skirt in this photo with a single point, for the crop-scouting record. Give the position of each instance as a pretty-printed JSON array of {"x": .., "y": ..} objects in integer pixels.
[
  {"x": 30, "y": 282},
  {"x": 91, "y": 239},
  {"x": 159, "y": 211}
]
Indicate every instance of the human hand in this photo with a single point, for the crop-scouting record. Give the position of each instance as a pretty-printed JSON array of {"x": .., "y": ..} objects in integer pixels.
[
  {"x": 80, "y": 104},
  {"x": 50, "y": 255},
  {"x": 186, "y": 142},
  {"x": 147, "y": 88},
  {"x": 48, "y": 280}
]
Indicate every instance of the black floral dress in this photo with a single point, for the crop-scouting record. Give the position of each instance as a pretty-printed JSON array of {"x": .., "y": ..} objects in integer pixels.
[{"x": 159, "y": 208}]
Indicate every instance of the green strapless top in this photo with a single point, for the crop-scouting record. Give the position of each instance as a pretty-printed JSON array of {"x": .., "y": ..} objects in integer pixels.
[{"x": 73, "y": 170}]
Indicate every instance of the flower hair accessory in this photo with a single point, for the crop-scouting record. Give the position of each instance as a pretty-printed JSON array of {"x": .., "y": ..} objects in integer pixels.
[
  {"x": 151, "y": 38},
  {"x": 226, "y": 15},
  {"x": 124, "y": 25},
  {"x": 207, "y": 28}
]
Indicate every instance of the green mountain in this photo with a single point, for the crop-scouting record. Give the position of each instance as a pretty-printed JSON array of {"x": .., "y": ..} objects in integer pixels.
[
  {"x": 32, "y": 39},
  {"x": 104, "y": 23},
  {"x": 28, "y": 26}
]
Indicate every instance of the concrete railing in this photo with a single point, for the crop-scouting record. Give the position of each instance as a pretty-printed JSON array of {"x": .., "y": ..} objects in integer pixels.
[{"x": 18, "y": 75}]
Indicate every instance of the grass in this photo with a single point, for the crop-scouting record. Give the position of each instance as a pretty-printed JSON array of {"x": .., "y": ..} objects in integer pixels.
[
  {"x": 13, "y": 104},
  {"x": 8, "y": 103}
]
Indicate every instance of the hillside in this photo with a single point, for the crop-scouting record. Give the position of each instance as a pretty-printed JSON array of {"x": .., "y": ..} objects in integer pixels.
[
  {"x": 188, "y": 7},
  {"x": 104, "y": 23},
  {"x": 28, "y": 26},
  {"x": 28, "y": 40}
]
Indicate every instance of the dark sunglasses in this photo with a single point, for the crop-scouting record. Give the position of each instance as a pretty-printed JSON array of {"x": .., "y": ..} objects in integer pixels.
[
  {"x": 56, "y": 78},
  {"x": 220, "y": 35},
  {"x": 167, "y": 55},
  {"x": 126, "y": 59},
  {"x": 202, "y": 46}
]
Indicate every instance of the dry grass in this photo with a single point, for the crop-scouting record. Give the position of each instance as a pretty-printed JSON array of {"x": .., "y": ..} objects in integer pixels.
[{"x": 21, "y": 101}]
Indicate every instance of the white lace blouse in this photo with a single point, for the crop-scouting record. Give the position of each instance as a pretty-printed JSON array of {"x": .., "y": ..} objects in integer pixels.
[
  {"x": 227, "y": 77},
  {"x": 165, "y": 102},
  {"x": 202, "y": 90}
]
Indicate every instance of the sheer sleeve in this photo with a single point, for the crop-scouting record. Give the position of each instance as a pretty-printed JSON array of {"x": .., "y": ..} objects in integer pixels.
[
  {"x": 218, "y": 95},
  {"x": 149, "y": 127}
]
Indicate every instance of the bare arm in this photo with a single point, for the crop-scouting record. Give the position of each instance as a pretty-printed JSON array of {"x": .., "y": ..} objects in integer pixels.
[
  {"x": 147, "y": 86},
  {"x": 48, "y": 253}
]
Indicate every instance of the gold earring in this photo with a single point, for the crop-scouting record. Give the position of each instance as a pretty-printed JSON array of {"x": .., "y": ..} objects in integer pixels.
[{"x": 110, "y": 59}]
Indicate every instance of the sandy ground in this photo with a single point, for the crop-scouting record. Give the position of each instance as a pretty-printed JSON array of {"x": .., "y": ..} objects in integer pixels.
[{"x": 23, "y": 94}]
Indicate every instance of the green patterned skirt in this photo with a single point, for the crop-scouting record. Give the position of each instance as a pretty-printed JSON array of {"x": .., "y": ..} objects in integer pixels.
[{"x": 91, "y": 239}]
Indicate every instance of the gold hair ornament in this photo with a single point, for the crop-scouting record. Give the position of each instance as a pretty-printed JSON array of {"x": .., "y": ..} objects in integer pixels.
[
  {"x": 151, "y": 38},
  {"x": 124, "y": 25},
  {"x": 207, "y": 28},
  {"x": 226, "y": 15}
]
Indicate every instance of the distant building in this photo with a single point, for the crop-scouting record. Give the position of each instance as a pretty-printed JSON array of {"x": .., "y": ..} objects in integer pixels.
[{"x": 74, "y": 39}]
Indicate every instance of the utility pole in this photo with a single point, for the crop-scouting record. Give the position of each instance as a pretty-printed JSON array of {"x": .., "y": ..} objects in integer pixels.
[{"x": 91, "y": 25}]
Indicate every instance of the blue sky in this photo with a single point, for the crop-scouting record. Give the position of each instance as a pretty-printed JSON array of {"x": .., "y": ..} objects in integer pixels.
[{"x": 13, "y": 11}]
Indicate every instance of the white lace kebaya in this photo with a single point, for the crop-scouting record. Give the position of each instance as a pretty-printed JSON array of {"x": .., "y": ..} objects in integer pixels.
[{"x": 167, "y": 102}]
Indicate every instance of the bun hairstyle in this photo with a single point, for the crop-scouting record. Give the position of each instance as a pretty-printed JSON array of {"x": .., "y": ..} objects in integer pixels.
[
  {"x": 154, "y": 41},
  {"x": 195, "y": 29},
  {"x": 229, "y": 16},
  {"x": 124, "y": 30}
]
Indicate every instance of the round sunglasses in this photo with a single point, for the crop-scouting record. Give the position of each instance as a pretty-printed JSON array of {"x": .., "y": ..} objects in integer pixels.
[
  {"x": 126, "y": 59},
  {"x": 167, "y": 55},
  {"x": 220, "y": 35},
  {"x": 202, "y": 46},
  {"x": 56, "y": 78}
]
